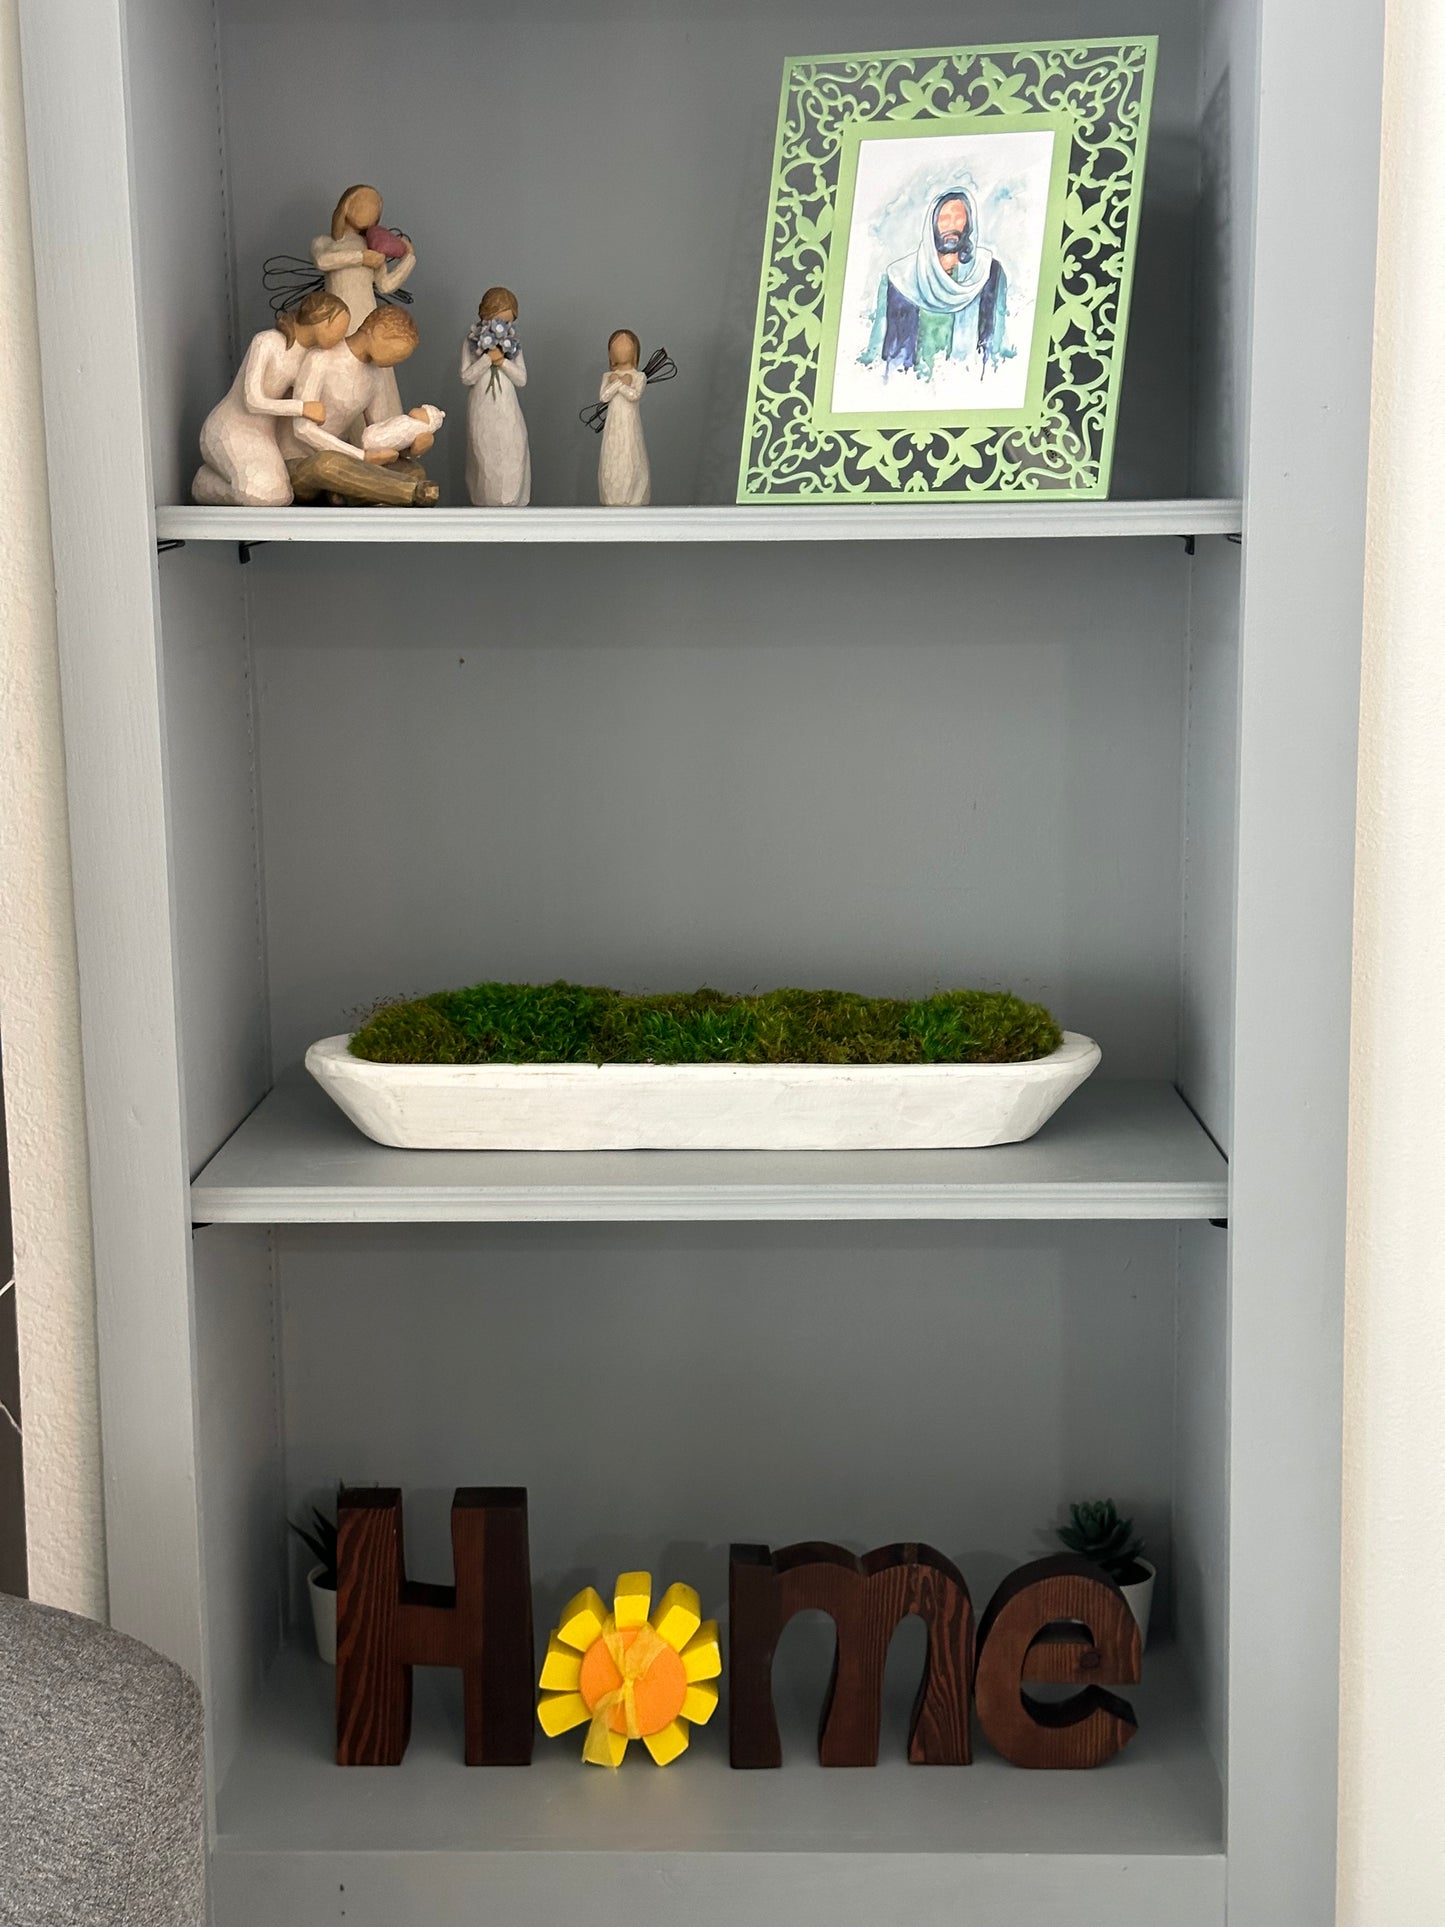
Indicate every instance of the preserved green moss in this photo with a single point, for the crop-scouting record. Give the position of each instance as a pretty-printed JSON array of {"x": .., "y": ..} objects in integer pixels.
[{"x": 577, "y": 1024}]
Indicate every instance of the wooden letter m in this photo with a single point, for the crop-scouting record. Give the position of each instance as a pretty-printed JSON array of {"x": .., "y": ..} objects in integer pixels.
[{"x": 866, "y": 1598}]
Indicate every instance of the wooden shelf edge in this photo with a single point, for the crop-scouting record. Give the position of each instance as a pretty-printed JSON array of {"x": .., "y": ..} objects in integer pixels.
[
  {"x": 856, "y": 1889},
  {"x": 1114, "y": 1151},
  {"x": 581, "y": 1204},
  {"x": 784, "y": 522}
]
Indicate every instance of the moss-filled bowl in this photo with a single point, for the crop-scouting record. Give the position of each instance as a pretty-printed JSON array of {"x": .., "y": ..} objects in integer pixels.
[{"x": 505, "y": 1067}]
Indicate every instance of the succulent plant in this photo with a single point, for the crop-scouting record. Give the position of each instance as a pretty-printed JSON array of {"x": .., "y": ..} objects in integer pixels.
[
  {"x": 320, "y": 1539},
  {"x": 1097, "y": 1533}
]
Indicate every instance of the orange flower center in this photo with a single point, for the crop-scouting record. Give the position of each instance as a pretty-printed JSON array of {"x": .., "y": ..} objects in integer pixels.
[{"x": 658, "y": 1693}]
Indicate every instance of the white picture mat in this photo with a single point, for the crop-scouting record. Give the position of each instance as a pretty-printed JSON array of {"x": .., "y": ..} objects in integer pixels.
[{"x": 897, "y": 182}]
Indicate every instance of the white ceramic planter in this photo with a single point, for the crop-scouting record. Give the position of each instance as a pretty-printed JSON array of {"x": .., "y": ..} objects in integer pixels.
[
  {"x": 1141, "y": 1600},
  {"x": 323, "y": 1616},
  {"x": 699, "y": 1107}
]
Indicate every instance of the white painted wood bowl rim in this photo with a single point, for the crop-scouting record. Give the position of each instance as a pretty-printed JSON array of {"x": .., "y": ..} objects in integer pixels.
[{"x": 331, "y": 1053}]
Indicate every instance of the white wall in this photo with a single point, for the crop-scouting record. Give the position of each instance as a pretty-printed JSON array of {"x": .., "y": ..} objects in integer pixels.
[
  {"x": 1392, "y": 1775},
  {"x": 38, "y": 1008}
]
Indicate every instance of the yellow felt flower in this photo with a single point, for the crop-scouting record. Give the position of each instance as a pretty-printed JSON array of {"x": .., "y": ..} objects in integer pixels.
[{"x": 626, "y": 1676}]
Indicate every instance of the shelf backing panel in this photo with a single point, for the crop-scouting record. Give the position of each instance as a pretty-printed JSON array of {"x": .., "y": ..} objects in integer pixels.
[
  {"x": 613, "y": 168},
  {"x": 888, "y": 774},
  {"x": 664, "y": 1389}
]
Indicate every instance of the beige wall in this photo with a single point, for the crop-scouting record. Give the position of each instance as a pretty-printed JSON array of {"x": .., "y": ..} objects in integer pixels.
[
  {"x": 38, "y": 1014},
  {"x": 1392, "y": 1774},
  {"x": 1392, "y": 1851}
]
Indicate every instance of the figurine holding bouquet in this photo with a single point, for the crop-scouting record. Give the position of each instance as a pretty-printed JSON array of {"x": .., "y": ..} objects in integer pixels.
[{"x": 499, "y": 461}]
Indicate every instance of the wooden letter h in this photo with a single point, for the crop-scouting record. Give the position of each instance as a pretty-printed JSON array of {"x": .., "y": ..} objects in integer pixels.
[{"x": 387, "y": 1623}]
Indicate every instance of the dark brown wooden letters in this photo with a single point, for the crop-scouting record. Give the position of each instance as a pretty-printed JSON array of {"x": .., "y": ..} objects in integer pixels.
[
  {"x": 866, "y": 1599},
  {"x": 387, "y": 1623},
  {"x": 1020, "y": 1639}
]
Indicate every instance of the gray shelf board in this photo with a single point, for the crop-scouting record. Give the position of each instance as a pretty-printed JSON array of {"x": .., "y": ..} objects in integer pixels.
[
  {"x": 1147, "y": 1829},
  {"x": 817, "y": 522},
  {"x": 1127, "y": 1150},
  {"x": 539, "y": 1889}
]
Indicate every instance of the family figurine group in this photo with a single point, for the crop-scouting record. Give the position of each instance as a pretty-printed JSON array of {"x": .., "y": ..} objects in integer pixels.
[{"x": 315, "y": 413}]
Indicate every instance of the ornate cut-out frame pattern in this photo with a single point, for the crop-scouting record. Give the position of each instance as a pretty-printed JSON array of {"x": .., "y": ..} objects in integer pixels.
[{"x": 1099, "y": 93}]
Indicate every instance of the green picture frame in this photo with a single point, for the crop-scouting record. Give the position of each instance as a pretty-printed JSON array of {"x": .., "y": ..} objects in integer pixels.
[{"x": 950, "y": 255}]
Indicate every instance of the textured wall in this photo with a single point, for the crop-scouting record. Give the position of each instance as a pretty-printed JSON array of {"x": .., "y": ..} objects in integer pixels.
[
  {"x": 1392, "y": 1858},
  {"x": 38, "y": 1011},
  {"x": 12, "y": 1475}
]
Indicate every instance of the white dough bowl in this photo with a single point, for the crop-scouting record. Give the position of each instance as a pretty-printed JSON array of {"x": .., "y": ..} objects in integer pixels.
[{"x": 699, "y": 1107}]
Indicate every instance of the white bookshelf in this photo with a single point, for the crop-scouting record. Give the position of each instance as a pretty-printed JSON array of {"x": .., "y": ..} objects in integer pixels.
[{"x": 1097, "y": 750}]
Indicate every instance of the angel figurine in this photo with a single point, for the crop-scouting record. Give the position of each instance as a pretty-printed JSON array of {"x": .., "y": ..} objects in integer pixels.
[
  {"x": 362, "y": 260},
  {"x": 499, "y": 461},
  {"x": 242, "y": 465},
  {"x": 624, "y": 478}
]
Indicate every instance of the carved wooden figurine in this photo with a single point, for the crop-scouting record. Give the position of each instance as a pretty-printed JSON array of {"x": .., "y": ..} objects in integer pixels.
[
  {"x": 1021, "y": 1638},
  {"x": 348, "y": 381},
  {"x": 242, "y": 464},
  {"x": 499, "y": 461},
  {"x": 387, "y": 1623},
  {"x": 624, "y": 478},
  {"x": 362, "y": 260},
  {"x": 359, "y": 258},
  {"x": 866, "y": 1599}
]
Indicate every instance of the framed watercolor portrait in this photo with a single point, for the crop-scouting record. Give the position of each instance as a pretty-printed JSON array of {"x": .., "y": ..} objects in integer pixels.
[{"x": 945, "y": 294}]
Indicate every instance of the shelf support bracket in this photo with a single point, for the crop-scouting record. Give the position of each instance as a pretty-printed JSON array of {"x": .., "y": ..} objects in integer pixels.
[
  {"x": 1191, "y": 542},
  {"x": 1220, "y": 1224},
  {"x": 243, "y": 551},
  {"x": 165, "y": 544}
]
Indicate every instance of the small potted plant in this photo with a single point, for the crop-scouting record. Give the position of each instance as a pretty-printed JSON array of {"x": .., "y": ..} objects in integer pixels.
[
  {"x": 319, "y": 1537},
  {"x": 1097, "y": 1533}
]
